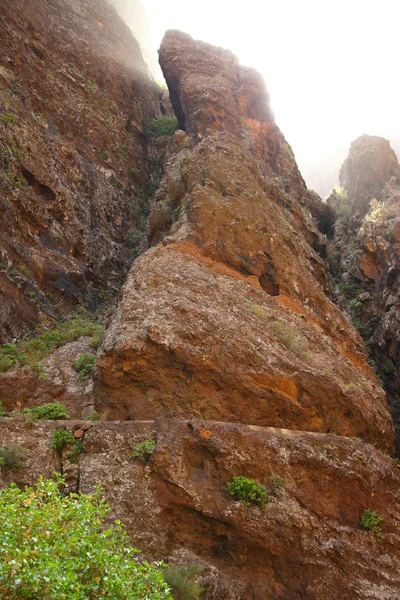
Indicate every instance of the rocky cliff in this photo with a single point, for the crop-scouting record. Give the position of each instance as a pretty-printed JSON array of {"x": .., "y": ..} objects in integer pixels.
[
  {"x": 226, "y": 353},
  {"x": 75, "y": 97},
  {"x": 365, "y": 254}
]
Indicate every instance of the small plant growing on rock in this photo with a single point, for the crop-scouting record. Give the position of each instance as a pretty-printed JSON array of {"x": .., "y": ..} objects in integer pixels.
[
  {"x": 94, "y": 416},
  {"x": 50, "y": 411},
  {"x": 162, "y": 126},
  {"x": 260, "y": 312},
  {"x": 370, "y": 520},
  {"x": 144, "y": 449},
  {"x": 8, "y": 117},
  {"x": 290, "y": 338},
  {"x": 84, "y": 364},
  {"x": 61, "y": 439},
  {"x": 275, "y": 486},
  {"x": 328, "y": 451},
  {"x": 182, "y": 581},
  {"x": 30, "y": 351},
  {"x": 246, "y": 490},
  {"x": 13, "y": 457}
]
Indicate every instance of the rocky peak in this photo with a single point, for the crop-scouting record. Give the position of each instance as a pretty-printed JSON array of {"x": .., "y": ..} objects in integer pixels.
[{"x": 370, "y": 165}]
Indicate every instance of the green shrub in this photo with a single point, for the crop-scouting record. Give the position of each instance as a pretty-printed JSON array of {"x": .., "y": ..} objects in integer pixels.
[
  {"x": 182, "y": 581},
  {"x": 30, "y": 351},
  {"x": 61, "y": 439},
  {"x": 84, "y": 364},
  {"x": 162, "y": 126},
  {"x": 246, "y": 490},
  {"x": 69, "y": 553},
  {"x": 370, "y": 520},
  {"x": 144, "y": 449},
  {"x": 50, "y": 411},
  {"x": 12, "y": 458}
]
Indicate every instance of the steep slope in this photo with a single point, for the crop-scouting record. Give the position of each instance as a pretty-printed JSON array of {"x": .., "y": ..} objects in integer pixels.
[
  {"x": 75, "y": 97},
  {"x": 366, "y": 253}
]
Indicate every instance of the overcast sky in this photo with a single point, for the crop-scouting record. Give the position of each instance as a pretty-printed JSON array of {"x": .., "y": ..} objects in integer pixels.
[{"x": 332, "y": 68}]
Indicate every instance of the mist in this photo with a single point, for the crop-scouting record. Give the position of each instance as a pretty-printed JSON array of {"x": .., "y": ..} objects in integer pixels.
[{"x": 330, "y": 68}]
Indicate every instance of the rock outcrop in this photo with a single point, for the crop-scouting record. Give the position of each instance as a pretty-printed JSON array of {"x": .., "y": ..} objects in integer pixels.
[
  {"x": 225, "y": 321},
  {"x": 75, "y": 98},
  {"x": 371, "y": 163},
  {"x": 305, "y": 543},
  {"x": 213, "y": 320},
  {"x": 365, "y": 254}
]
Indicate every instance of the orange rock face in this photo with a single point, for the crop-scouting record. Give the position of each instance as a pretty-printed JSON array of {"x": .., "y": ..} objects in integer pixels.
[
  {"x": 225, "y": 351},
  {"x": 192, "y": 334}
]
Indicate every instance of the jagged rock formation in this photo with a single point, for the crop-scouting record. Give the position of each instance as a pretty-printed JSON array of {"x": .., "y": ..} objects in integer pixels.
[
  {"x": 226, "y": 351},
  {"x": 226, "y": 319},
  {"x": 75, "y": 97},
  {"x": 366, "y": 253}
]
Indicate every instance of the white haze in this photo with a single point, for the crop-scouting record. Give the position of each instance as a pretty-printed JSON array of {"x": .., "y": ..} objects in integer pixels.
[{"x": 331, "y": 67}]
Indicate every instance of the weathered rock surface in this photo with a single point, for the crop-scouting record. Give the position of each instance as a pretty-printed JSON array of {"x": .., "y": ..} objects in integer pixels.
[
  {"x": 306, "y": 542},
  {"x": 75, "y": 97},
  {"x": 371, "y": 163},
  {"x": 186, "y": 338},
  {"x": 193, "y": 337},
  {"x": 367, "y": 247},
  {"x": 56, "y": 381}
]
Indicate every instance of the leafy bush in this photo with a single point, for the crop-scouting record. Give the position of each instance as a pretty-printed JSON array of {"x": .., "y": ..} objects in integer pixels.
[
  {"x": 182, "y": 581},
  {"x": 246, "y": 490},
  {"x": 162, "y": 126},
  {"x": 30, "y": 351},
  {"x": 50, "y": 411},
  {"x": 84, "y": 364},
  {"x": 370, "y": 520},
  {"x": 144, "y": 449},
  {"x": 68, "y": 552},
  {"x": 12, "y": 458},
  {"x": 61, "y": 439}
]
